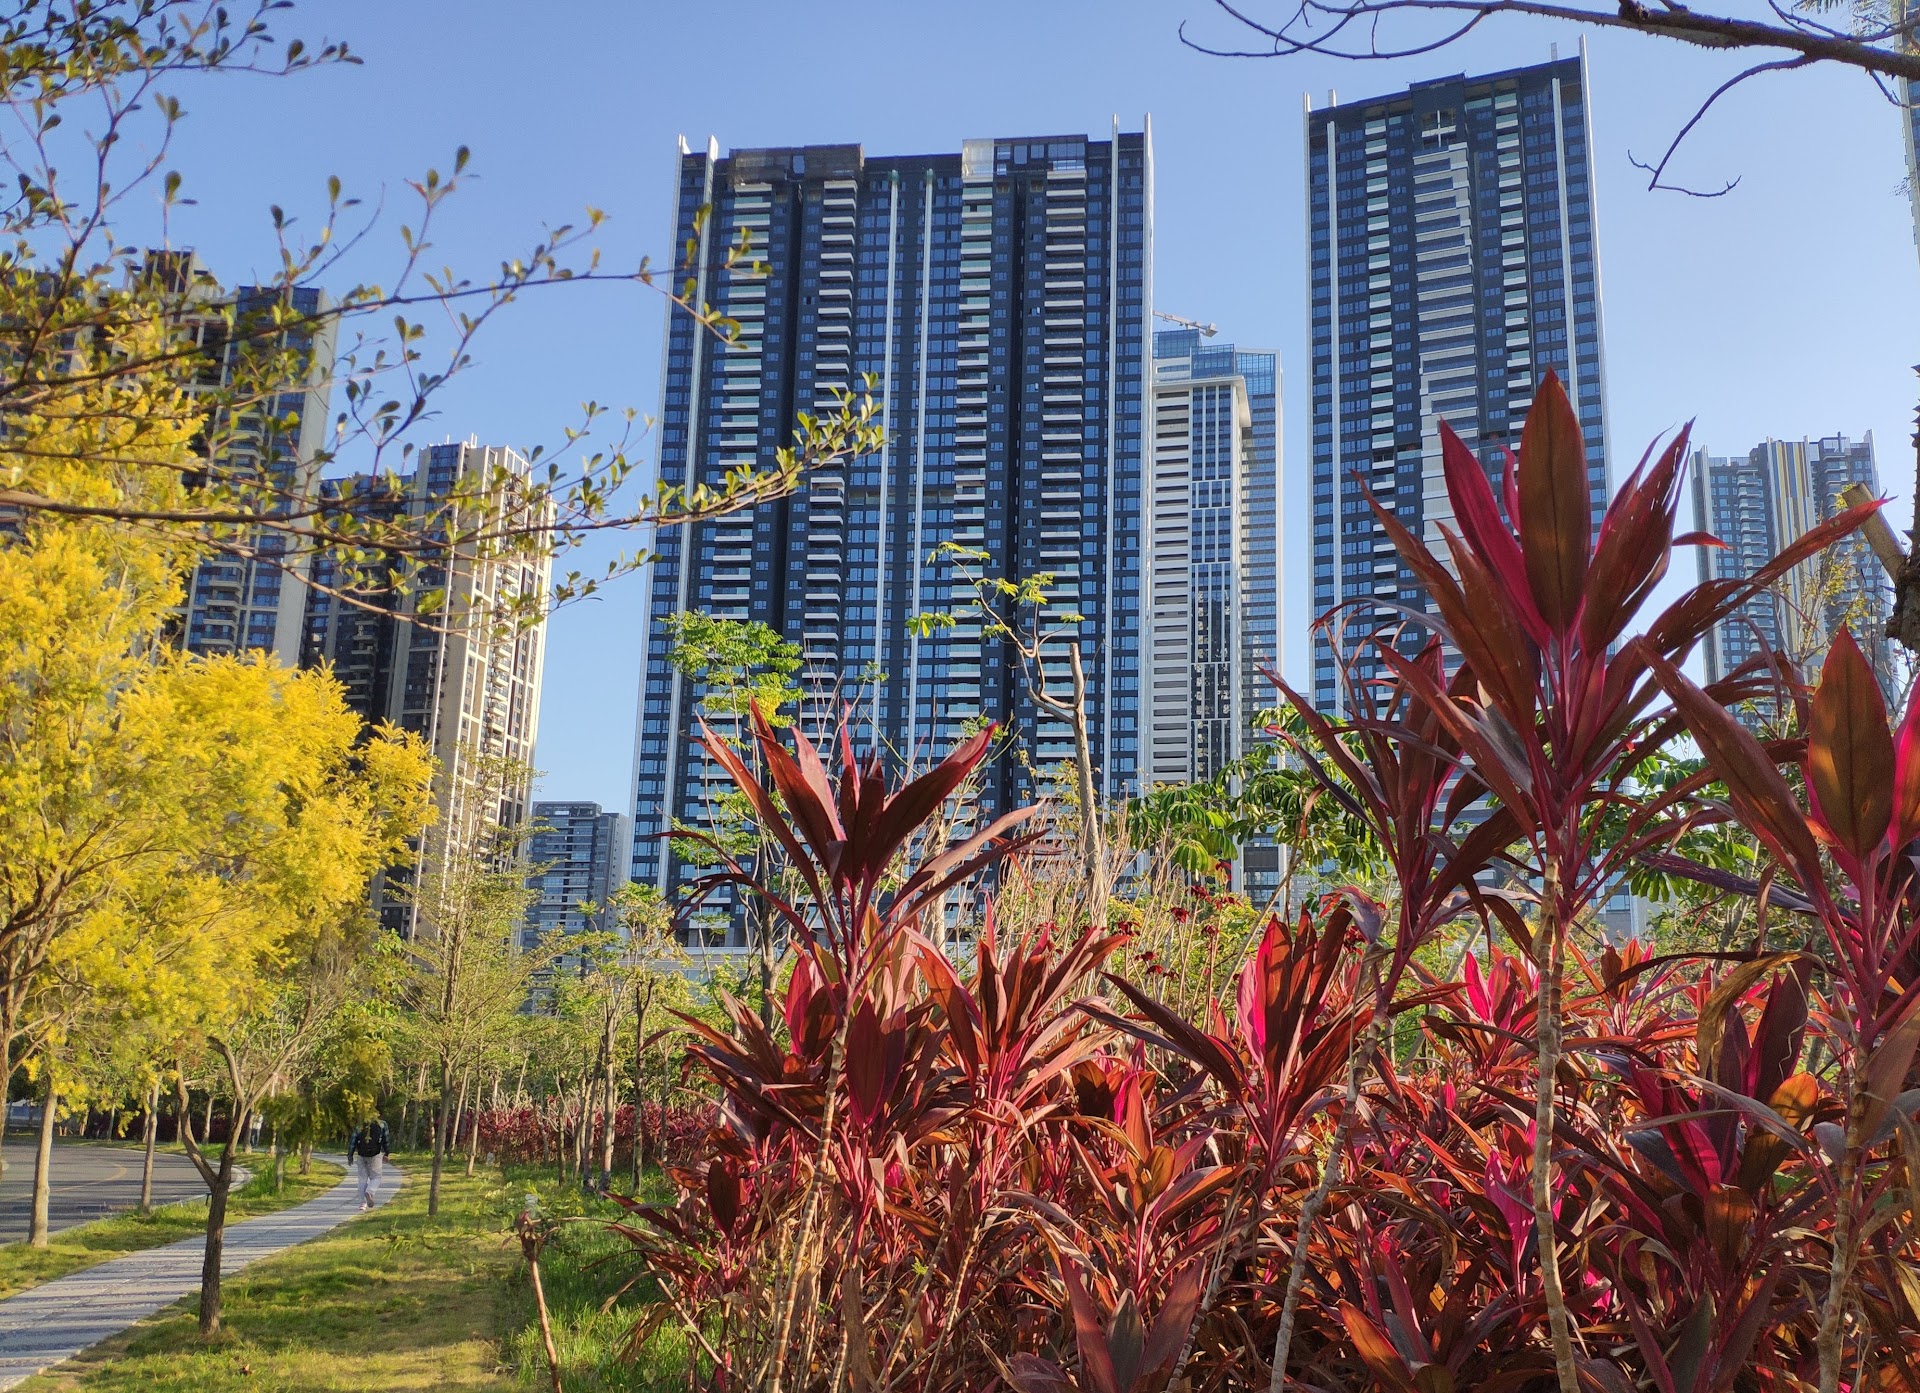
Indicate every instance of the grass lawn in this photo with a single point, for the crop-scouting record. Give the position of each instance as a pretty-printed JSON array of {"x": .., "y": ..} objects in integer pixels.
[
  {"x": 583, "y": 1266},
  {"x": 86, "y": 1244},
  {"x": 389, "y": 1301},
  {"x": 395, "y": 1302}
]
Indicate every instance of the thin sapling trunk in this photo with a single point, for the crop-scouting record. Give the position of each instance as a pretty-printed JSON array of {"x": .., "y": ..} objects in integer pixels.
[{"x": 43, "y": 1166}]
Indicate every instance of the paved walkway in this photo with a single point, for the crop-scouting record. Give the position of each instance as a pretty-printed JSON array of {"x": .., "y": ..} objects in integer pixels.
[
  {"x": 90, "y": 1181},
  {"x": 55, "y": 1321}
]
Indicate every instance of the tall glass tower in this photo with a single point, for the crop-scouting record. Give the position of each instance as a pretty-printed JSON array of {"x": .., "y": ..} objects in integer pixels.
[
  {"x": 998, "y": 297},
  {"x": 1758, "y": 503},
  {"x": 1213, "y": 630},
  {"x": 1215, "y": 568},
  {"x": 1453, "y": 262}
]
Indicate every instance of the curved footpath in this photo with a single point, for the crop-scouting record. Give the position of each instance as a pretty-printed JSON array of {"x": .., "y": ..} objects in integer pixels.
[{"x": 55, "y": 1321}]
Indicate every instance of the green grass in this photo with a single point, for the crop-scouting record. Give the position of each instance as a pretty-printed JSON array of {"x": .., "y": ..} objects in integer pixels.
[
  {"x": 394, "y": 1302},
  {"x": 390, "y": 1302},
  {"x": 582, "y": 1267},
  {"x": 84, "y": 1245}
]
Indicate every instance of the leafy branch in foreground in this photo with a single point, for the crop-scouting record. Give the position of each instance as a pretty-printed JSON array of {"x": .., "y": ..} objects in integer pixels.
[{"x": 87, "y": 318}]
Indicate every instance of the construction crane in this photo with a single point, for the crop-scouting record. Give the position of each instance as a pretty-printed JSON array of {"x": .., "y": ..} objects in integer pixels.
[{"x": 1206, "y": 331}]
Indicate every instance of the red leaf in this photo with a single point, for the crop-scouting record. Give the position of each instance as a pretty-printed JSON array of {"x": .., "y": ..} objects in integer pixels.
[
  {"x": 1556, "y": 509},
  {"x": 1376, "y": 1351},
  {"x": 1096, "y": 1361},
  {"x": 1759, "y": 795},
  {"x": 723, "y": 1194},
  {"x": 1490, "y": 535},
  {"x": 802, "y": 783},
  {"x": 1850, "y": 752},
  {"x": 1630, "y": 555}
]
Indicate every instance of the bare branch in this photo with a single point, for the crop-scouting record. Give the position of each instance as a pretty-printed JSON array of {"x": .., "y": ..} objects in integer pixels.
[
  {"x": 1878, "y": 49},
  {"x": 1657, "y": 171}
]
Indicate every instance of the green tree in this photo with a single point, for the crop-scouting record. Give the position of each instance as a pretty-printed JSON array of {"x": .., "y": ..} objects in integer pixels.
[
  {"x": 469, "y": 975},
  {"x": 1022, "y": 612},
  {"x": 739, "y": 666}
]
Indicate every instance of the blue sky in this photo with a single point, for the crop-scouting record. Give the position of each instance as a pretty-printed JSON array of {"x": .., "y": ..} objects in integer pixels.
[{"x": 1788, "y": 307}]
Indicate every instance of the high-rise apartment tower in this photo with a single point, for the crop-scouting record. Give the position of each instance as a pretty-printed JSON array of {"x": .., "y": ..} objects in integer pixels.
[
  {"x": 265, "y": 358},
  {"x": 998, "y": 296},
  {"x": 1213, "y": 571},
  {"x": 1759, "y": 502},
  {"x": 1452, "y": 264},
  {"x": 468, "y": 685},
  {"x": 579, "y": 859}
]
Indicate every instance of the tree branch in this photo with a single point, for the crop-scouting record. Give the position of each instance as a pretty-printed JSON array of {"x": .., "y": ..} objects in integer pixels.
[{"x": 1881, "y": 50}]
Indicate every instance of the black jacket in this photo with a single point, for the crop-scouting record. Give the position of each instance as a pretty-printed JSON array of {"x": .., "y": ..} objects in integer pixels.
[{"x": 371, "y": 1139}]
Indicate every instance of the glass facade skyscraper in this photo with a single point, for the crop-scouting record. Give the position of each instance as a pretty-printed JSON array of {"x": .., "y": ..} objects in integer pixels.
[
  {"x": 998, "y": 296},
  {"x": 579, "y": 859},
  {"x": 1452, "y": 264},
  {"x": 266, "y": 430},
  {"x": 1213, "y": 628},
  {"x": 1215, "y": 568},
  {"x": 1756, "y": 504}
]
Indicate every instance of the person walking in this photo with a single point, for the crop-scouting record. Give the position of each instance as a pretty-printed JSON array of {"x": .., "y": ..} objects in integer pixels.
[{"x": 369, "y": 1149}]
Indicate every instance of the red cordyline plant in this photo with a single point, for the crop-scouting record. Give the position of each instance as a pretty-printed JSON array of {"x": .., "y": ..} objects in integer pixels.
[
  {"x": 1862, "y": 806},
  {"x": 1298, "y": 1013},
  {"x": 845, "y": 1148},
  {"x": 1563, "y": 705},
  {"x": 1396, "y": 768}
]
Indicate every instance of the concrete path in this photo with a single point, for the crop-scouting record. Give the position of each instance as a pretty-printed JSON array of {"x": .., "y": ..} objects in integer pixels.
[
  {"x": 54, "y": 1322},
  {"x": 88, "y": 1182}
]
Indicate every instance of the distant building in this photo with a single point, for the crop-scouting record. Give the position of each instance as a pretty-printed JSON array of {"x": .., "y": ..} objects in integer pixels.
[
  {"x": 1453, "y": 261},
  {"x": 578, "y": 855},
  {"x": 1213, "y": 570},
  {"x": 1758, "y": 503},
  {"x": 999, "y": 296},
  {"x": 272, "y": 384},
  {"x": 469, "y": 687}
]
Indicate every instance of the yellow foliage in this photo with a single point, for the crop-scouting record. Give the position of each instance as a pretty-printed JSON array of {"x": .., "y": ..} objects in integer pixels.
[{"x": 175, "y": 831}]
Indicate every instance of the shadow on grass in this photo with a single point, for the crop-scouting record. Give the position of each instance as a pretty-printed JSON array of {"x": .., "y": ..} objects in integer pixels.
[
  {"x": 85, "y": 1245},
  {"x": 392, "y": 1301}
]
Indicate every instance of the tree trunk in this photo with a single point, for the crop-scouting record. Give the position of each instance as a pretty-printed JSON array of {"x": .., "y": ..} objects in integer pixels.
[
  {"x": 43, "y": 1166},
  {"x": 459, "y": 1111},
  {"x": 609, "y": 1097},
  {"x": 152, "y": 1139},
  {"x": 583, "y": 1135},
  {"x": 641, "y": 1001},
  {"x": 473, "y": 1129},
  {"x": 217, "y": 1193},
  {"x": 1092, "y": 843},
  {"x": 440, "y": 1114},
  {"x": 1549, "y": 956},
  {"x": 6, "y": 1086},
  {"x": 206, "y": 1125}
]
